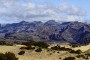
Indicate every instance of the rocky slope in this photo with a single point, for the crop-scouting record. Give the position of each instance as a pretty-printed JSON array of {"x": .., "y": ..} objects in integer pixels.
[{"x": 72, "y": 32}]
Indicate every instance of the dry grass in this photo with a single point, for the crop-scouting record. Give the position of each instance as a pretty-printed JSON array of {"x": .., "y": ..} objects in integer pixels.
[{"x": 44, "y": 55}]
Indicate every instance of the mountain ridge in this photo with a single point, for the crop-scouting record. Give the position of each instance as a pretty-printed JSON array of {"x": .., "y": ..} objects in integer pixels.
[{"x": 72, "y": 32}]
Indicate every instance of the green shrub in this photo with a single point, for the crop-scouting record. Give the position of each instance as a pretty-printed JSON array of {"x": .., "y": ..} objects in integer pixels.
[
  {"x": 69, "y": 58},
  {"x": 88, "y": 54},
  {"x": 21, "y": 52},
  {"x": 39, "y": 44},
  {"x": 75, "y": 52},
  {"x": 82, "y": 56},
  {"x": 27, "y": 48},
  {"x": 29, "y": 43},
  {"x": 30, "y": 48},
  {"x": 60, "y": 48},
  {"x": 3, "y": 57},
  {"x": 56, "y": 48},
  {"x": 8, "y": 56},
  {"x": 23, "y": 48},
  {"x": 38, "y": 50}
]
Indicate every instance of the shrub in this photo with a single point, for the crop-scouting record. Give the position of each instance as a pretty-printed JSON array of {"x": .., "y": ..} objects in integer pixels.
[
  {"x": 2, "y": 43},
  {"x": 28, "y": 48},
  {"x": 60, "y": 48},
  {"x": 2, "y": 57},
  {"x": 23, "y": 48},
  {"x": 82, "y": 56},
  {"x": 21, "y": 52},
  {"x": 29, "y": 43},
  {"x": 8, "y": 56},
  {"x": 75, "y": 52},
  {"x": 88, "y": 54},
  {"x": 38, "y": 50},
  {"x": 39, "y": 44},
  {"x": 56, "y": 48},
  {"x": 59, "y": 57},
  {"x": 74, "y": 45},
  {"x": 58, "y": 52},
  {"x": 69, "y": 58}
]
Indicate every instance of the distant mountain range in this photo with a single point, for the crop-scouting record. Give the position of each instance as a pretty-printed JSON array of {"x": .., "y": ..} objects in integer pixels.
[{"x": 72, "y": 32}]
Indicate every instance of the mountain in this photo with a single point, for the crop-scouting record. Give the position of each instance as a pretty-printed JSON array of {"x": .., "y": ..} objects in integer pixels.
[{"x": 71, "y": 32}]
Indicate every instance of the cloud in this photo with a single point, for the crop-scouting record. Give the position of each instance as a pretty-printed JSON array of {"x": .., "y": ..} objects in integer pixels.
[
  {"x": 71, "y": 10},
  {"x": 18, "y": 10}
]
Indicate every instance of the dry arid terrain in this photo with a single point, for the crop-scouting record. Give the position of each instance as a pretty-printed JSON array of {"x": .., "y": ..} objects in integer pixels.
[{"x": 45, "y": 54}]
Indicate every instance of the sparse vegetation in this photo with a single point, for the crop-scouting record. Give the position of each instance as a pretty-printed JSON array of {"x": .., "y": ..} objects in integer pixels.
[
  {"x": 74, "y": 45},
  {"x": 58, "y": 52},
  {"x": 27, "y": 48},
  {"x": 38, "y": 50},
  {"x": 82, "y": 56},
  {"x": 69, "y": 58},
  {"x": 39, "y": 44},
  {"x": 60, "y": 48},
  {"x": 4, "y": 43},
  {"x": 8, "y": 56},
  {"x": 29, "y": 43},
  {"x": 75, "y": 52},
  {"x": 88, "y": 54},
  {"x": 21, "y": 52}
]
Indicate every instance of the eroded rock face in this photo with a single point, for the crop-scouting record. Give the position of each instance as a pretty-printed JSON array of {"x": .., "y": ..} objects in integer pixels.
[{"x": 75, "y": 32}]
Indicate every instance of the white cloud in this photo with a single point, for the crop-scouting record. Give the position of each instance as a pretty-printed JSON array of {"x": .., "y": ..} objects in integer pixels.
[{"x": 16, "y": 10}]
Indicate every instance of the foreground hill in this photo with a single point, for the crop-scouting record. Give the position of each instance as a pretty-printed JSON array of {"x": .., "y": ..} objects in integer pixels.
[{"x": 71, "y": 32}]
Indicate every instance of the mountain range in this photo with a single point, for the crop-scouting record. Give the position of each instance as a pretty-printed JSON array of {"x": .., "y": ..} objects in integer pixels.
[{"x": 71, "y": 32}]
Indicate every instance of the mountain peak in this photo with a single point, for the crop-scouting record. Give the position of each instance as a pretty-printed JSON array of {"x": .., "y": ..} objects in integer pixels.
[
  {"x": 24, "y": 22},
  {"x": 51, "y": 22}
]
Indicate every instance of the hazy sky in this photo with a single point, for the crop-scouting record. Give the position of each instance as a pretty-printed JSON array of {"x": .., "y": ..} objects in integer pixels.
[{"x": 43, "y": 10}]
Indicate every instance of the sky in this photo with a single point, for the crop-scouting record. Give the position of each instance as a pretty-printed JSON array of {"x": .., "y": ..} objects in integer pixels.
[{"x": 12, "y": 11}]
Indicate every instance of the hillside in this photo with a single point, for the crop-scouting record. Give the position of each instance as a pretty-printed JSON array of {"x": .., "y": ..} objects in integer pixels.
[{"x": 71, "y": 32}]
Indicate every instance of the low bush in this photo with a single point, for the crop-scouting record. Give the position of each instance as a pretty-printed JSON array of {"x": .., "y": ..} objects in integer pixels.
[
  {"x": 8, "y": 56},
  {"x": 82, "y": 56},
  {"x": 3, "y": 57},
  {"x": 21, "y": 52},
  {"x": 69, "y": 58},
  {"x": 75, "y": 52},
  {"x": 74, "y": 45},
  {"x": 60, "y": 48},
  {"x": 27, "y": 48},
  {"x": 88, "y": 54},
  {"x": 29, "y": 43},
  {"x": 23, "y": 48},
  {"x": 38, "y": 50},
  {"x": 2, "y": 43},
  {"x": 30, "y": 48},
  {"x": 58, "y": 52},
  {"x": 5, "y": 43},
  {"x": 39, "y": 44}
]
